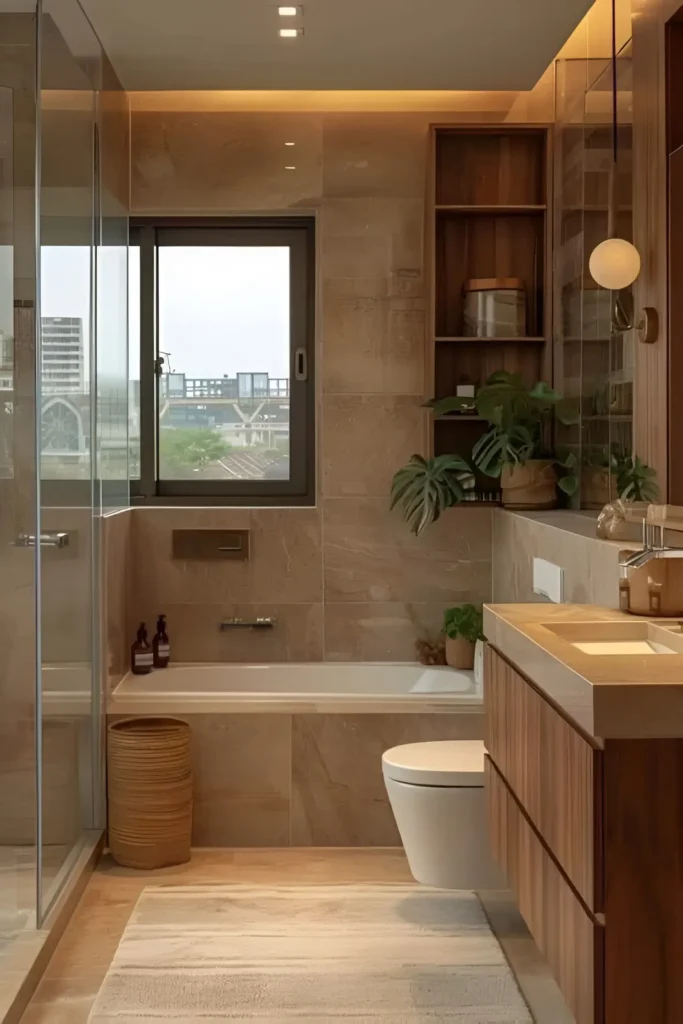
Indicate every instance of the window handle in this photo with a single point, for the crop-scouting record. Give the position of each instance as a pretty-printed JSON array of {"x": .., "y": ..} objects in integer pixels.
[{"x": 301, "y": 364}]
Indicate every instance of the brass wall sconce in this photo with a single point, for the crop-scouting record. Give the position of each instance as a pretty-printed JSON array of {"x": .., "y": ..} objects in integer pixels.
[{"x": 615, "y": 264}]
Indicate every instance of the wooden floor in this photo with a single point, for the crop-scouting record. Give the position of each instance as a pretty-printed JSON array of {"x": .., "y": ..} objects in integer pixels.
[{"x": 77, "y": 969}]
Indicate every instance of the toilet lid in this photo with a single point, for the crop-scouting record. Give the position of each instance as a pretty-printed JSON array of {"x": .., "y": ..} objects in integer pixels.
[{"x": 440, "y": 763}]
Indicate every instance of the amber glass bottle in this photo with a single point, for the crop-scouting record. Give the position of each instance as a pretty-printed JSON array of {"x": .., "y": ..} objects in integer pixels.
[
  {"x": 161, "y": 645},
  {"x": 141, "y": 657}
]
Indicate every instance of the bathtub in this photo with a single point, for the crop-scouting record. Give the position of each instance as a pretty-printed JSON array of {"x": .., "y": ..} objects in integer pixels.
[
  {"x": 291, "y": 755},
  {"x": 296, "y": 688}
]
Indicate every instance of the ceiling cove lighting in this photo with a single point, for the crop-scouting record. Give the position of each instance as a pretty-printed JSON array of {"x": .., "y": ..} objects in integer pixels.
[{"x": 291, "y": 33}]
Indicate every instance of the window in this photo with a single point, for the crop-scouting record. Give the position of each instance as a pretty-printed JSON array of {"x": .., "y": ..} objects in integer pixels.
[{"x": 221, "y": 344}]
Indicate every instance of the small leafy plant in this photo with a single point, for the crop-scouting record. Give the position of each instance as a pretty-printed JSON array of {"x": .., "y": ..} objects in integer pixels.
[
  {"x": 426, "y": 487},
  {"x": 466, "y": 621},
  {"x": 635, "y": 480}
]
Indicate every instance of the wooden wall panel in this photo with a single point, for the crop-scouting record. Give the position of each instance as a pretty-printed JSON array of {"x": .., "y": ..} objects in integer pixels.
[
  {"x": 552, "y": 770},
  {"x": 644, "y": 881},
  {"x": 570, "y": 940}
]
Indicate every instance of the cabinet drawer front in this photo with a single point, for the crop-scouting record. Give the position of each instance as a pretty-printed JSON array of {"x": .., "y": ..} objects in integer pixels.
[
  {"x": 571, "y": 942},
  {"x": 553, "y": 771}
]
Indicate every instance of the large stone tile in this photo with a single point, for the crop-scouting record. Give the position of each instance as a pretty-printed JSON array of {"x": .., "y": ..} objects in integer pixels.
[
  {"x": 195, "y": 635},
  {"x": 242, "y": 779},
  {"x": 284, "y": 565},
  {"x": 365, "y": 438},
  {"x": 66, "y": 597},
  {"x": 374, "y": 238},
  {"x": 338, "y": 793},
  {"x": 591, "y": 566},
  {"x": 371, "y": 556},
  {"x": 377, "y": 631},
  {"x": 225, "y": 161},
  {"x": 115, "y": 564},
  {"x": 372, "y": 344},
  {"x": 17, "y": 779},
  {"x": 375, "y": 155}
]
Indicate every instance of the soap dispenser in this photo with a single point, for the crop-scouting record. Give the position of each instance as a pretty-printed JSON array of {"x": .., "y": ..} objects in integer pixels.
[
  {"x": 141, "y": 657},
  {"x": 161, "y": 645}
]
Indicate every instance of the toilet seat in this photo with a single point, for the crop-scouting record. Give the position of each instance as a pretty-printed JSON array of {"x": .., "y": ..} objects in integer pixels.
[{"x": 452, "y": 763}]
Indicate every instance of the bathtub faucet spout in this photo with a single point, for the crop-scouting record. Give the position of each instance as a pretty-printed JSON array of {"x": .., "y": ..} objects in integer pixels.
[{"x": 267, "y": 622}]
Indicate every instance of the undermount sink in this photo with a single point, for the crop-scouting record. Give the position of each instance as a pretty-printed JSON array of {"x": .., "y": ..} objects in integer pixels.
[{"x": 621, "y": 638}]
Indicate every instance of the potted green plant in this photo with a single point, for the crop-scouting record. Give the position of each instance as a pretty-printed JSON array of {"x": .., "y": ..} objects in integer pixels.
[
  {"x": 516, "y": 445},
  {"x": 598, "y": 478},
  {"x": 426, "y": 487},
  {"x": 635, "y": 480},
  {"x": 462, "y": 627},
  {"x": 617, "y": 475}
]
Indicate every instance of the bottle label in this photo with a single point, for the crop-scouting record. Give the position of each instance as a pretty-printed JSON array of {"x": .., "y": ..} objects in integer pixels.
[
  {"x": 144, "y": 659},
  {"x": 164, "y": 650}
]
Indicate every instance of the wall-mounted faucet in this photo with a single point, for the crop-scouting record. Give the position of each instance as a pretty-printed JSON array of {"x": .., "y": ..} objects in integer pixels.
[
  {"x": 266, "y": 622},
  {"x": 653, "y": 545}
]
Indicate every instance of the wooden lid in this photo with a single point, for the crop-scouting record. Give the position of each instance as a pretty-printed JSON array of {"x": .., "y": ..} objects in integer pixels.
[{"x": 487, "y": 284}]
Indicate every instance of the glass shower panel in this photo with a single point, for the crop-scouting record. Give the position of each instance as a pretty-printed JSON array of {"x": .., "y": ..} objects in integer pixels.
[
  {"x": 67, "y": 375},
  {"x": 18, "y": 508},
  {"x": 112, "y": 292},
  {"x": 608, "y": 354}
]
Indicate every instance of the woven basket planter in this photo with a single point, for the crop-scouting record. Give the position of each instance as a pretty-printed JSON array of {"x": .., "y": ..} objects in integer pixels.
[{"x": 149, "y": 792}]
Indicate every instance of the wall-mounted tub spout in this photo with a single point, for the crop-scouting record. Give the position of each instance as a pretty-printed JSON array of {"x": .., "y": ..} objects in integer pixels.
[{"x": 261, "y": 623}]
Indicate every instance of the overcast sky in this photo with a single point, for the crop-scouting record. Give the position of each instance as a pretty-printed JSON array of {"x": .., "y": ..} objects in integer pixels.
[{"x": 221, "y": 310}]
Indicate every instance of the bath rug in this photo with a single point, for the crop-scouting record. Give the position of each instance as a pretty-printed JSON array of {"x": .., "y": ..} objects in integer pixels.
[{"x": 386, "y": 954}]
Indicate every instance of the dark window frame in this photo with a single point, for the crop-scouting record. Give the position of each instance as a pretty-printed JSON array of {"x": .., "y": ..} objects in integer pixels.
[{"x": 298, "y": 233}]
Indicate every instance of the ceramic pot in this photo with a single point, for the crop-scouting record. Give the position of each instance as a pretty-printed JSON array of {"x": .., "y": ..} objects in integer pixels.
[
  {"x": 531, "y": 486},
  {"x": 459, "y": 652}
]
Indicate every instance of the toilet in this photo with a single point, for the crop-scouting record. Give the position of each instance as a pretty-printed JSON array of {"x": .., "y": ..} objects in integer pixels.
[{"x": 436, "y": 791}]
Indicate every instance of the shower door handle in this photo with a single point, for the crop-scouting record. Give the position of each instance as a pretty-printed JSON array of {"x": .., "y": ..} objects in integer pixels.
[{"x": 47, "y": 540}]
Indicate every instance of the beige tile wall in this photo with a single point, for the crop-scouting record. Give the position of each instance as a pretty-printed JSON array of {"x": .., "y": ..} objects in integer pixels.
[
  {"x": 591, "y": 566},
  {"x": 346, "y": 580}
]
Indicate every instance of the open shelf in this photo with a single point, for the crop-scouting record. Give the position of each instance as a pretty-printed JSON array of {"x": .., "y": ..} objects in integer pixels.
[
  {"x": 491, "y": 208},
  {"x": 469, "y": 340},
  {"x": 489, "y": 221}
]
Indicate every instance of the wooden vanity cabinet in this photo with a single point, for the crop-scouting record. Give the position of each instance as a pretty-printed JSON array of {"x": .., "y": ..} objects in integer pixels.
[{"x": 590, "y": 836}]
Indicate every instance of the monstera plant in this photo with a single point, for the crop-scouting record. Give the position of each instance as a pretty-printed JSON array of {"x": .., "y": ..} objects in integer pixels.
[
  {"x": 516, "y": 447},
  {"x": 424, "y": 488}
]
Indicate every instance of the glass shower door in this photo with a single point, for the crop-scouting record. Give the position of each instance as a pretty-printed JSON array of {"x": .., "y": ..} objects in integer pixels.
[
  {"x": 69, "y": 199},
  {"x": 17, "y": 476}
]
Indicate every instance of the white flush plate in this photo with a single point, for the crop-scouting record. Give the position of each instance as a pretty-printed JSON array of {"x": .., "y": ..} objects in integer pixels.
[{"x": 548, "y": 580}]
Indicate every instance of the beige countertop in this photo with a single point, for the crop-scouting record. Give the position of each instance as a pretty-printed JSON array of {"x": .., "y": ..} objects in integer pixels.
[{"x": 608, "y": 695}]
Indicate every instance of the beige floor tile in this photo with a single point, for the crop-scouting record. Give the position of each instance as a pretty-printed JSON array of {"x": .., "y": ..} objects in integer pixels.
[{"x": 80, "y": 963}]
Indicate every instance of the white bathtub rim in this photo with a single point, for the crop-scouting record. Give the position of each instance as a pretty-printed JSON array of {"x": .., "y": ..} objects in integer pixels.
[{"x": 131, "y": 697}]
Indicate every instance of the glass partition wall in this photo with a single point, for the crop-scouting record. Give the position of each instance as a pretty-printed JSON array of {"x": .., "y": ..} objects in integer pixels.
[
  {"x": 594, "y": 362},
  {"x": 64, "y": 136}
]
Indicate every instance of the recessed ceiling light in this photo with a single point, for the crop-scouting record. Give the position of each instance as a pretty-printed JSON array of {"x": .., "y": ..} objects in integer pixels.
[
  {"x": 290, "y": 143},
  {"x": 291, "y": 33},
  {"x": 288, "y": 12},
  {"x": 290, "y": 168}
]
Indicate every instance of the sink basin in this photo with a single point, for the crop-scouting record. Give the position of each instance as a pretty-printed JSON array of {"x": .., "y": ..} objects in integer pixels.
[
  {"x": 621, "y": 638},
  {"x": 622, "y": 647}
]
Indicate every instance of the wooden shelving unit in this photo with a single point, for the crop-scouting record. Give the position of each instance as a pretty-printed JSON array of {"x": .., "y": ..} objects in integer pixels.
[{"x": 487, "y": 217}]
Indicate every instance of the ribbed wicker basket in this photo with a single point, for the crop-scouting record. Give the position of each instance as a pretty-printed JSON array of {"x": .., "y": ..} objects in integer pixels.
[{"x": 149, "y": 792}]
